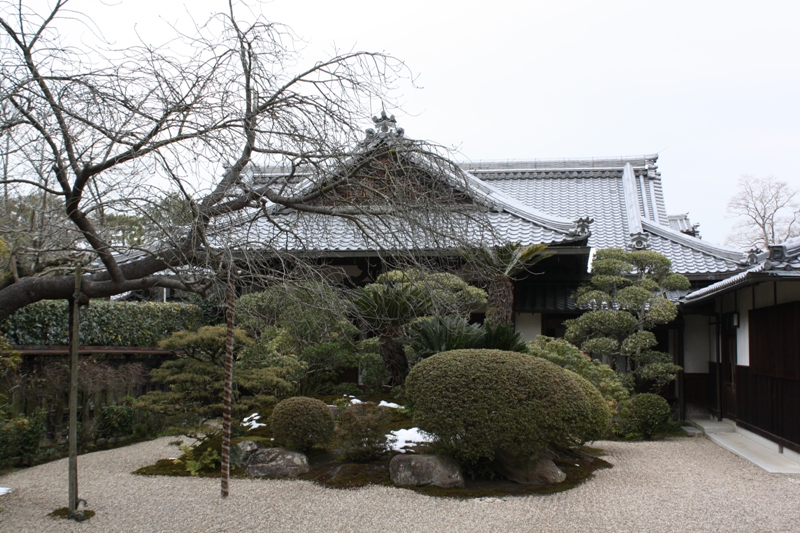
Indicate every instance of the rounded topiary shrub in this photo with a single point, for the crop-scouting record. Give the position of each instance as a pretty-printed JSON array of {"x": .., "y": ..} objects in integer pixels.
[
  {"x": 301, "y": 423},
  {"x": 481, "y": 403},
  {"x": 649, "y": 413}
]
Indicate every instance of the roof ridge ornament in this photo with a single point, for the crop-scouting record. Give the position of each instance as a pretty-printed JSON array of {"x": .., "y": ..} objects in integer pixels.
[
  {"x": 581, "y": 226},
  {"x": 387, "y": 126},
  {"x": 752, "y": 255},
  {"x": 639, "y": 241}
]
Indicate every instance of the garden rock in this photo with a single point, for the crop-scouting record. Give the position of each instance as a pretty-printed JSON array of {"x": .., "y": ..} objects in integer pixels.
[
  {"x": 538, "y": 471},
  {"x": 241, "y": 452},
  {"x": 437, "y": 470},
  {"x": 276, "y": 462}
]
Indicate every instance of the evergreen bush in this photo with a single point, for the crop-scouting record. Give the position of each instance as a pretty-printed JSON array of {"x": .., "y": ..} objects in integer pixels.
[
  {"x": 361, "y": 431},
  {"x": 478, "y": 403},
  {"x": 301, "y": 423},
  {"x": 568, "y": 356},
  {"x": 647, "y": 415}
]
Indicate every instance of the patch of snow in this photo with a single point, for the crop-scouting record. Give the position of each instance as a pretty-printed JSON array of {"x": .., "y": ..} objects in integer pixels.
[
  {"x": 355, "y": 401},
  {"x": 252, "y": 422},
  {"x": 408, "y": 438},
  {"x": 384, "y": 403},
  {"x": 4, "y": 490}
]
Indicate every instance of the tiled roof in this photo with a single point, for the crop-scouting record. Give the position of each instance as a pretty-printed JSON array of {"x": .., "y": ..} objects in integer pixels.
[
  {"x": 315, "y": 234},
  {"x": 624, "y": 196}
]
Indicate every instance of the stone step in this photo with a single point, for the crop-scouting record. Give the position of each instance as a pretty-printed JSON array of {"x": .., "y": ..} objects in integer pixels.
[{"x": 758, "y": 450}]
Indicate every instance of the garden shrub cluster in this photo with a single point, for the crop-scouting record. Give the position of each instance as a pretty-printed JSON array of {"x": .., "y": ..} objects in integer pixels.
[
  {"x": 646, "y": 415},
  {"x": 431, "y": 335},
  {"x": 601, "y": 375},
  {"x": 481, "y": 403},
  {"x": 103, "y": 323},
  {"x": 20, "y": 437},
  {"x": 300, "y": 423},
  {"x": 361, "y": 431}
]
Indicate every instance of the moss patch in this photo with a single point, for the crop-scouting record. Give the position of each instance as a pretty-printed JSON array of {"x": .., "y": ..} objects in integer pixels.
[{"x": 63, "y": 512}]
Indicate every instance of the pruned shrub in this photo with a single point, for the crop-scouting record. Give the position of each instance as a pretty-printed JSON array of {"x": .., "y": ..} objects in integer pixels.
[
  {"x": 569, "y": 356},
  {"x": 301, "y": 423},
  {"x": 646, "y": 415},
  {"x": 361, "y": 431},
  {"x": 480, "y": 403}
]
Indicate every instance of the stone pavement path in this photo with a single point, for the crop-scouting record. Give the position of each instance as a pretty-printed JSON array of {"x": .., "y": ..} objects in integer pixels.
[{"x": 679, "y": 485}]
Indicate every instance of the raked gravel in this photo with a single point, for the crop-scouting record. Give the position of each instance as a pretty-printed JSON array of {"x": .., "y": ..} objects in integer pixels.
[{"x": 679, "y": 485}]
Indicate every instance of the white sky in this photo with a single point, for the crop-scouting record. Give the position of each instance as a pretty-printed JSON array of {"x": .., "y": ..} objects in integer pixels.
[{"x": 713, "y": 86}]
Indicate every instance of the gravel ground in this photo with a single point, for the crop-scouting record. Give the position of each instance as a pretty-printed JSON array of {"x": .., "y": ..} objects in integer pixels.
[{"x": 673, "y": 485}]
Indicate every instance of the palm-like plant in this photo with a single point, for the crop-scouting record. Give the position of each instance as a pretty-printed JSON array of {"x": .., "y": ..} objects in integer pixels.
[
  {"x": 397, "y": 297},
  {"x": 498, "y": 265}
]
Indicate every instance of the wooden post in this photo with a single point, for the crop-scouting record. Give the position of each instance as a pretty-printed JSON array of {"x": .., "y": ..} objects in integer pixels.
[
  {"x": 227, "y": 390},
  {"x": 74, "y": 343}
]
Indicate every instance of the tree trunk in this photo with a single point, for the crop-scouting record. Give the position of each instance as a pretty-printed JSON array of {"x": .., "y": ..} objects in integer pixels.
[
  {"x": 500, "y": 305},
  {"x": 394, "y": 359}
]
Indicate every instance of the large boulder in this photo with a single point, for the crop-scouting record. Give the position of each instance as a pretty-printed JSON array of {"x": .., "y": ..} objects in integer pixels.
[
  {"x": 276, "y": 462},
  {"x": 242, "y": 450},
  {"x": 438, "y": 470},
  {"x": 538, "y": 471}
]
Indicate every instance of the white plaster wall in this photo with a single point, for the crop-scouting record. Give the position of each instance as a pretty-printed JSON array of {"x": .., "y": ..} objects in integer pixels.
[
  {"x": 764, "y": 295},
  {"x": 698, "y": 339},
  {"x": 744, "y": 301},
  {"x": 529, "y": 325}
]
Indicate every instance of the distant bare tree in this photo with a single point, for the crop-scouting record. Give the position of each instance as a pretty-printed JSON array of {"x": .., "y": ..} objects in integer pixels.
[
  {"x": 146, "y": 164},
  {"x": 767, "y": 212}
]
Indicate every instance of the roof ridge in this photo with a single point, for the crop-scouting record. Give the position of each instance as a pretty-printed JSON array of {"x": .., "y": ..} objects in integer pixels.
[{"x": 565, "y": 163}]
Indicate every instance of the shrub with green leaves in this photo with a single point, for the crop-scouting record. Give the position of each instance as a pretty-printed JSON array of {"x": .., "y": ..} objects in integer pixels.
[
  {"x": 502, "y": 336},
  {"x": 646, "y": 415},
  {"x": 309, "y": 312},
  {"x": 568, "y": 356},
  {"x": 300, "y": 423},
  {"x": 205, "y": 344},
  {"x": 115, "y": 421},
  {"x": 480, "y": 403},
  {"x": 625, "y": 299},
  {"x": 195, "y": 390},
  {"x": 103, "y": 323},
  {"x": 361, "y": 431},
  {"x": 432, "y": 335},
  {"x": 20, "y": 438}
]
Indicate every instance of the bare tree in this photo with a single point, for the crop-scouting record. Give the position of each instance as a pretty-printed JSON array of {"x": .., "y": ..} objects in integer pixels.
[
  {"x": 225, "y": 127},
  {"x": 767, "y": 212}
]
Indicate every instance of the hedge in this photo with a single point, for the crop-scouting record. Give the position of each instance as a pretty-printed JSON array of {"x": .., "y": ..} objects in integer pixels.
[{"x": 103, "y": 323}]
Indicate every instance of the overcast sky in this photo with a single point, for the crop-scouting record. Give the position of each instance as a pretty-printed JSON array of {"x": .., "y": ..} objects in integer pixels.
[{"x": 712, "y": 86}]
